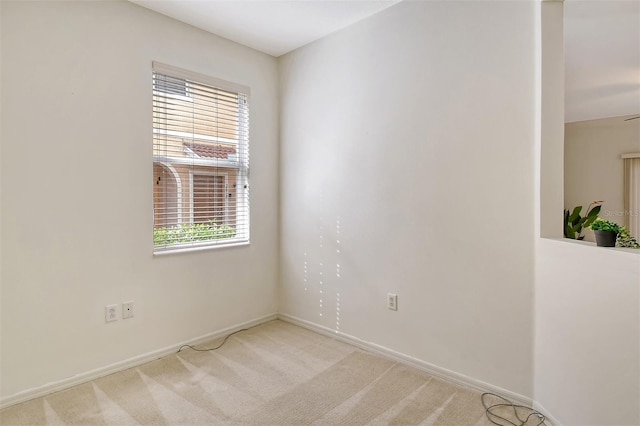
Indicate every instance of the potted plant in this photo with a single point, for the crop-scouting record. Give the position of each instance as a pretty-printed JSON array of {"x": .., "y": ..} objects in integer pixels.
[
  {"x": 574, "y": 223},
  {"x": 606, "y": 232}
]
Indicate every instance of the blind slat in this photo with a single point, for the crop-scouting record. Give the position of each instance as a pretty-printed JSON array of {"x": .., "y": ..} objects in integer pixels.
[{"x": 201, "y": 163}]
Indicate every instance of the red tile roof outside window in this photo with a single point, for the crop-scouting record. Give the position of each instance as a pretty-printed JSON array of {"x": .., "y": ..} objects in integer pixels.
[{"x": 210, "y": 150}]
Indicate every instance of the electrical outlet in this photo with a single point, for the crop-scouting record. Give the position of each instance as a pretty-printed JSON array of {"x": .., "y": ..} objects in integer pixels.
[
  {"x": 127, "y": 310},
  {"x": 392, "y": 301},
  {"x": 110, "y": 313}
]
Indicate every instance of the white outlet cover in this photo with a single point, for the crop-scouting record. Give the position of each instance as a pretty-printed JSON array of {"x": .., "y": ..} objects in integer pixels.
[
  {"x": 110, "y": 313},
  {"x": 392, "y": 301}
]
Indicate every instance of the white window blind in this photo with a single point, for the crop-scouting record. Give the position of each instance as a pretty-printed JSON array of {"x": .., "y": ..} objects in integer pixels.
[{"x": 200, "y": 161}]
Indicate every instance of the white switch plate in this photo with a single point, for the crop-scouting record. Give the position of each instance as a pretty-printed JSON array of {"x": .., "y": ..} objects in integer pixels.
[{"x": 127, "y": 309}]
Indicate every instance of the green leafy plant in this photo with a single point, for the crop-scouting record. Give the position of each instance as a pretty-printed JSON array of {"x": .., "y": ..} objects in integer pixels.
[
  {"x": 604, "y": 225},
  {"x": 191, "y": 232},
  {"x": 625, "y": 239},
  {"x": 574, "y": 223}
]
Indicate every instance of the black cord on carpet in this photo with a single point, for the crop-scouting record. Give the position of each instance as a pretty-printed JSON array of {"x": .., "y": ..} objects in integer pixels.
[
  {"x": 491, "y": 412},
  {"x": 212, "y": 349}
]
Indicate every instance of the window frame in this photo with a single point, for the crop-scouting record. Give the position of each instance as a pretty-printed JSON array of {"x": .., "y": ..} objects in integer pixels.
[{"x": 239, "y": 162}]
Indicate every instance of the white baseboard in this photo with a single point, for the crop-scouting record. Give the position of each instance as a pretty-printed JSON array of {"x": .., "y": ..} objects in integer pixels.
[
  {"x": 550, "y": 420},
  {"x": 125, "y": 364},
  {"x": 432, "y": 369}
]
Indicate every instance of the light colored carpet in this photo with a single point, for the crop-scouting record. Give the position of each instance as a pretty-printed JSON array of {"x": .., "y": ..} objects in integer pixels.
[{"x": 273, "y": 374}]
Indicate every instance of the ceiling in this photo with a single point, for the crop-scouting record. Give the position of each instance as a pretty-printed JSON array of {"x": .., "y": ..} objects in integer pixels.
[
  {"x": 602, "y": 59},
  {"x": 290, "y": 24},
  {"x": 602, "y": 40}
]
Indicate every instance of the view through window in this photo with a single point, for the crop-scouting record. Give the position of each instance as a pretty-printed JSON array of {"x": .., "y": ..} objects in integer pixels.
[{"x": 200, "y": 161}]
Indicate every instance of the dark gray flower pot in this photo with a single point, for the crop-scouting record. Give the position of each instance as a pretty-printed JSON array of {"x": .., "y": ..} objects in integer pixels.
[{"x": 606, "y": 238}]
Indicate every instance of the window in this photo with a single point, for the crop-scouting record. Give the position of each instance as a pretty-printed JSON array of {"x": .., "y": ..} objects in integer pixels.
[
  {"x": 200, "y": 161},
  {"x": 632, "y": 193}
]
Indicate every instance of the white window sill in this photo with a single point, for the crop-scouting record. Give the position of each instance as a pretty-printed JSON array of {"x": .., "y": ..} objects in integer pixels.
[
  {"x": 594, "y": 245},
  {"x": 189, "y": 249}
]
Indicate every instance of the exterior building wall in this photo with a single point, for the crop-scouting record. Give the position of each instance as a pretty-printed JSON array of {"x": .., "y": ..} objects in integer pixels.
[{"x": 173, "y": 206}]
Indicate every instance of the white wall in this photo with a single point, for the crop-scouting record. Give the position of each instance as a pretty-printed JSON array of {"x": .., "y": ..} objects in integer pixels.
[
  {"x": 588, "y": 333},
  {"x": 76, "y": 191},
  {"x": 406, "y": 149},
  {"x": 593, "y": 168},
  {"x": 549, "y": 191},
  {"x": 587, "y": 304}
]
